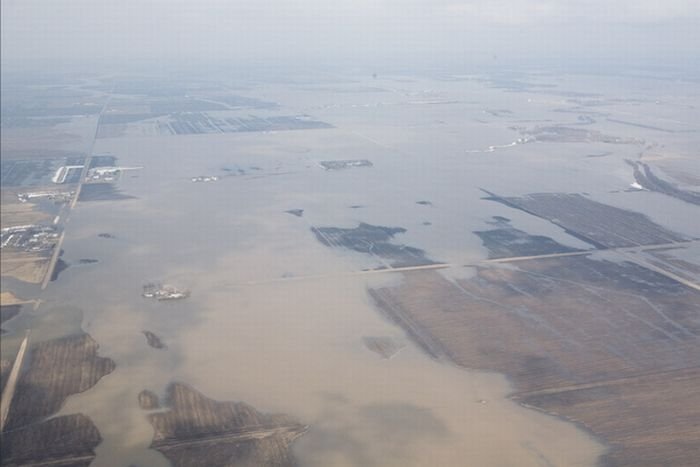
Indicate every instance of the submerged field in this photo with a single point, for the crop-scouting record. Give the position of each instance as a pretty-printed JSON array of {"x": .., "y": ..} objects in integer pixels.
[{"x": 392, "y": 270}]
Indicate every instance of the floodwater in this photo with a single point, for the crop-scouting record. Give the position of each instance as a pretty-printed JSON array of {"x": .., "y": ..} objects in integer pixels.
[{"x": 275, "y": 318}]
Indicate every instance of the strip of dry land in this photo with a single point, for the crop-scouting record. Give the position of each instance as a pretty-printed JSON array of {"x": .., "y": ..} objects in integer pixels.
[
  {"x": 612, "y": 346},
  {"x": 198, "y": 431},
  {"x": 55, "y": 370}
]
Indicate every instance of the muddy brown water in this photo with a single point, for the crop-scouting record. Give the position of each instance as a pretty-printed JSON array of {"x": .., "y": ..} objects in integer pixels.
[
  {"x": 256, "y": 330},
  {"x": 277, "y": 319}
]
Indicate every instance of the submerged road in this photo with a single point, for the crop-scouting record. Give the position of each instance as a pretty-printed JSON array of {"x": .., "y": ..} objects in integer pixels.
[
  {"x": 350, "y": 273},
  {"x": 626, "y": 252},
  {"x": 9, "y": 391}
]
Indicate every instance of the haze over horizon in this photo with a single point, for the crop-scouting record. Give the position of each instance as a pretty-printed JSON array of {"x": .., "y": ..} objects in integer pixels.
[
  {"x": 335, "y": 233},
  {"x": 314, "y": 32}
]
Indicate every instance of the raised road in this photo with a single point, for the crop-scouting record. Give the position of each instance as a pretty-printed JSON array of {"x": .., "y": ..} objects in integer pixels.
[{"x": 9, "y": 391}]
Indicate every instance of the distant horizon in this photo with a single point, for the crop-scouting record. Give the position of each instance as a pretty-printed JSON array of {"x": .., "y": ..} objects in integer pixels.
[{"x": 685, "y": 69}]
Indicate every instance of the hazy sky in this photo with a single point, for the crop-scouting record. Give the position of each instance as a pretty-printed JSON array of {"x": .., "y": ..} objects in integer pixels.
[{"x": 355, "y": 30}]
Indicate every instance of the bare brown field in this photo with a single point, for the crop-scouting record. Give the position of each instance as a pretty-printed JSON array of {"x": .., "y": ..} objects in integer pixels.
[
  {"x": 15, "y": 213},
  {"x": 623, "y": 335},
  {"x": 198, "y": 431},
  {"x": 55, "y": 370},
  {"x": 62, "y": 441},
  {"x": 9, "y": 299},
  {"x": 26, "y": 267},
  {"x": 664, "y": 432}
]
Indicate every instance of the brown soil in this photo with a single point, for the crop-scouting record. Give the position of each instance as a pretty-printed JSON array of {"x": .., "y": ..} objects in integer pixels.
[
  {"x": 612, "y": 346},
  {"x": 16, "y": 213},
  {"x": 68, "y": 440},
  {"x": 8, "y": 298},
  {"x": 55, "y": 369},
  {"x": 23, "y": 266},
  {"x": 198, "y": 431}
]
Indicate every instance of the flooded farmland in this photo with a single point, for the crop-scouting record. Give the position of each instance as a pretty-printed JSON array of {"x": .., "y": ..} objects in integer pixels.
[{"x": 371, "y": 326}]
